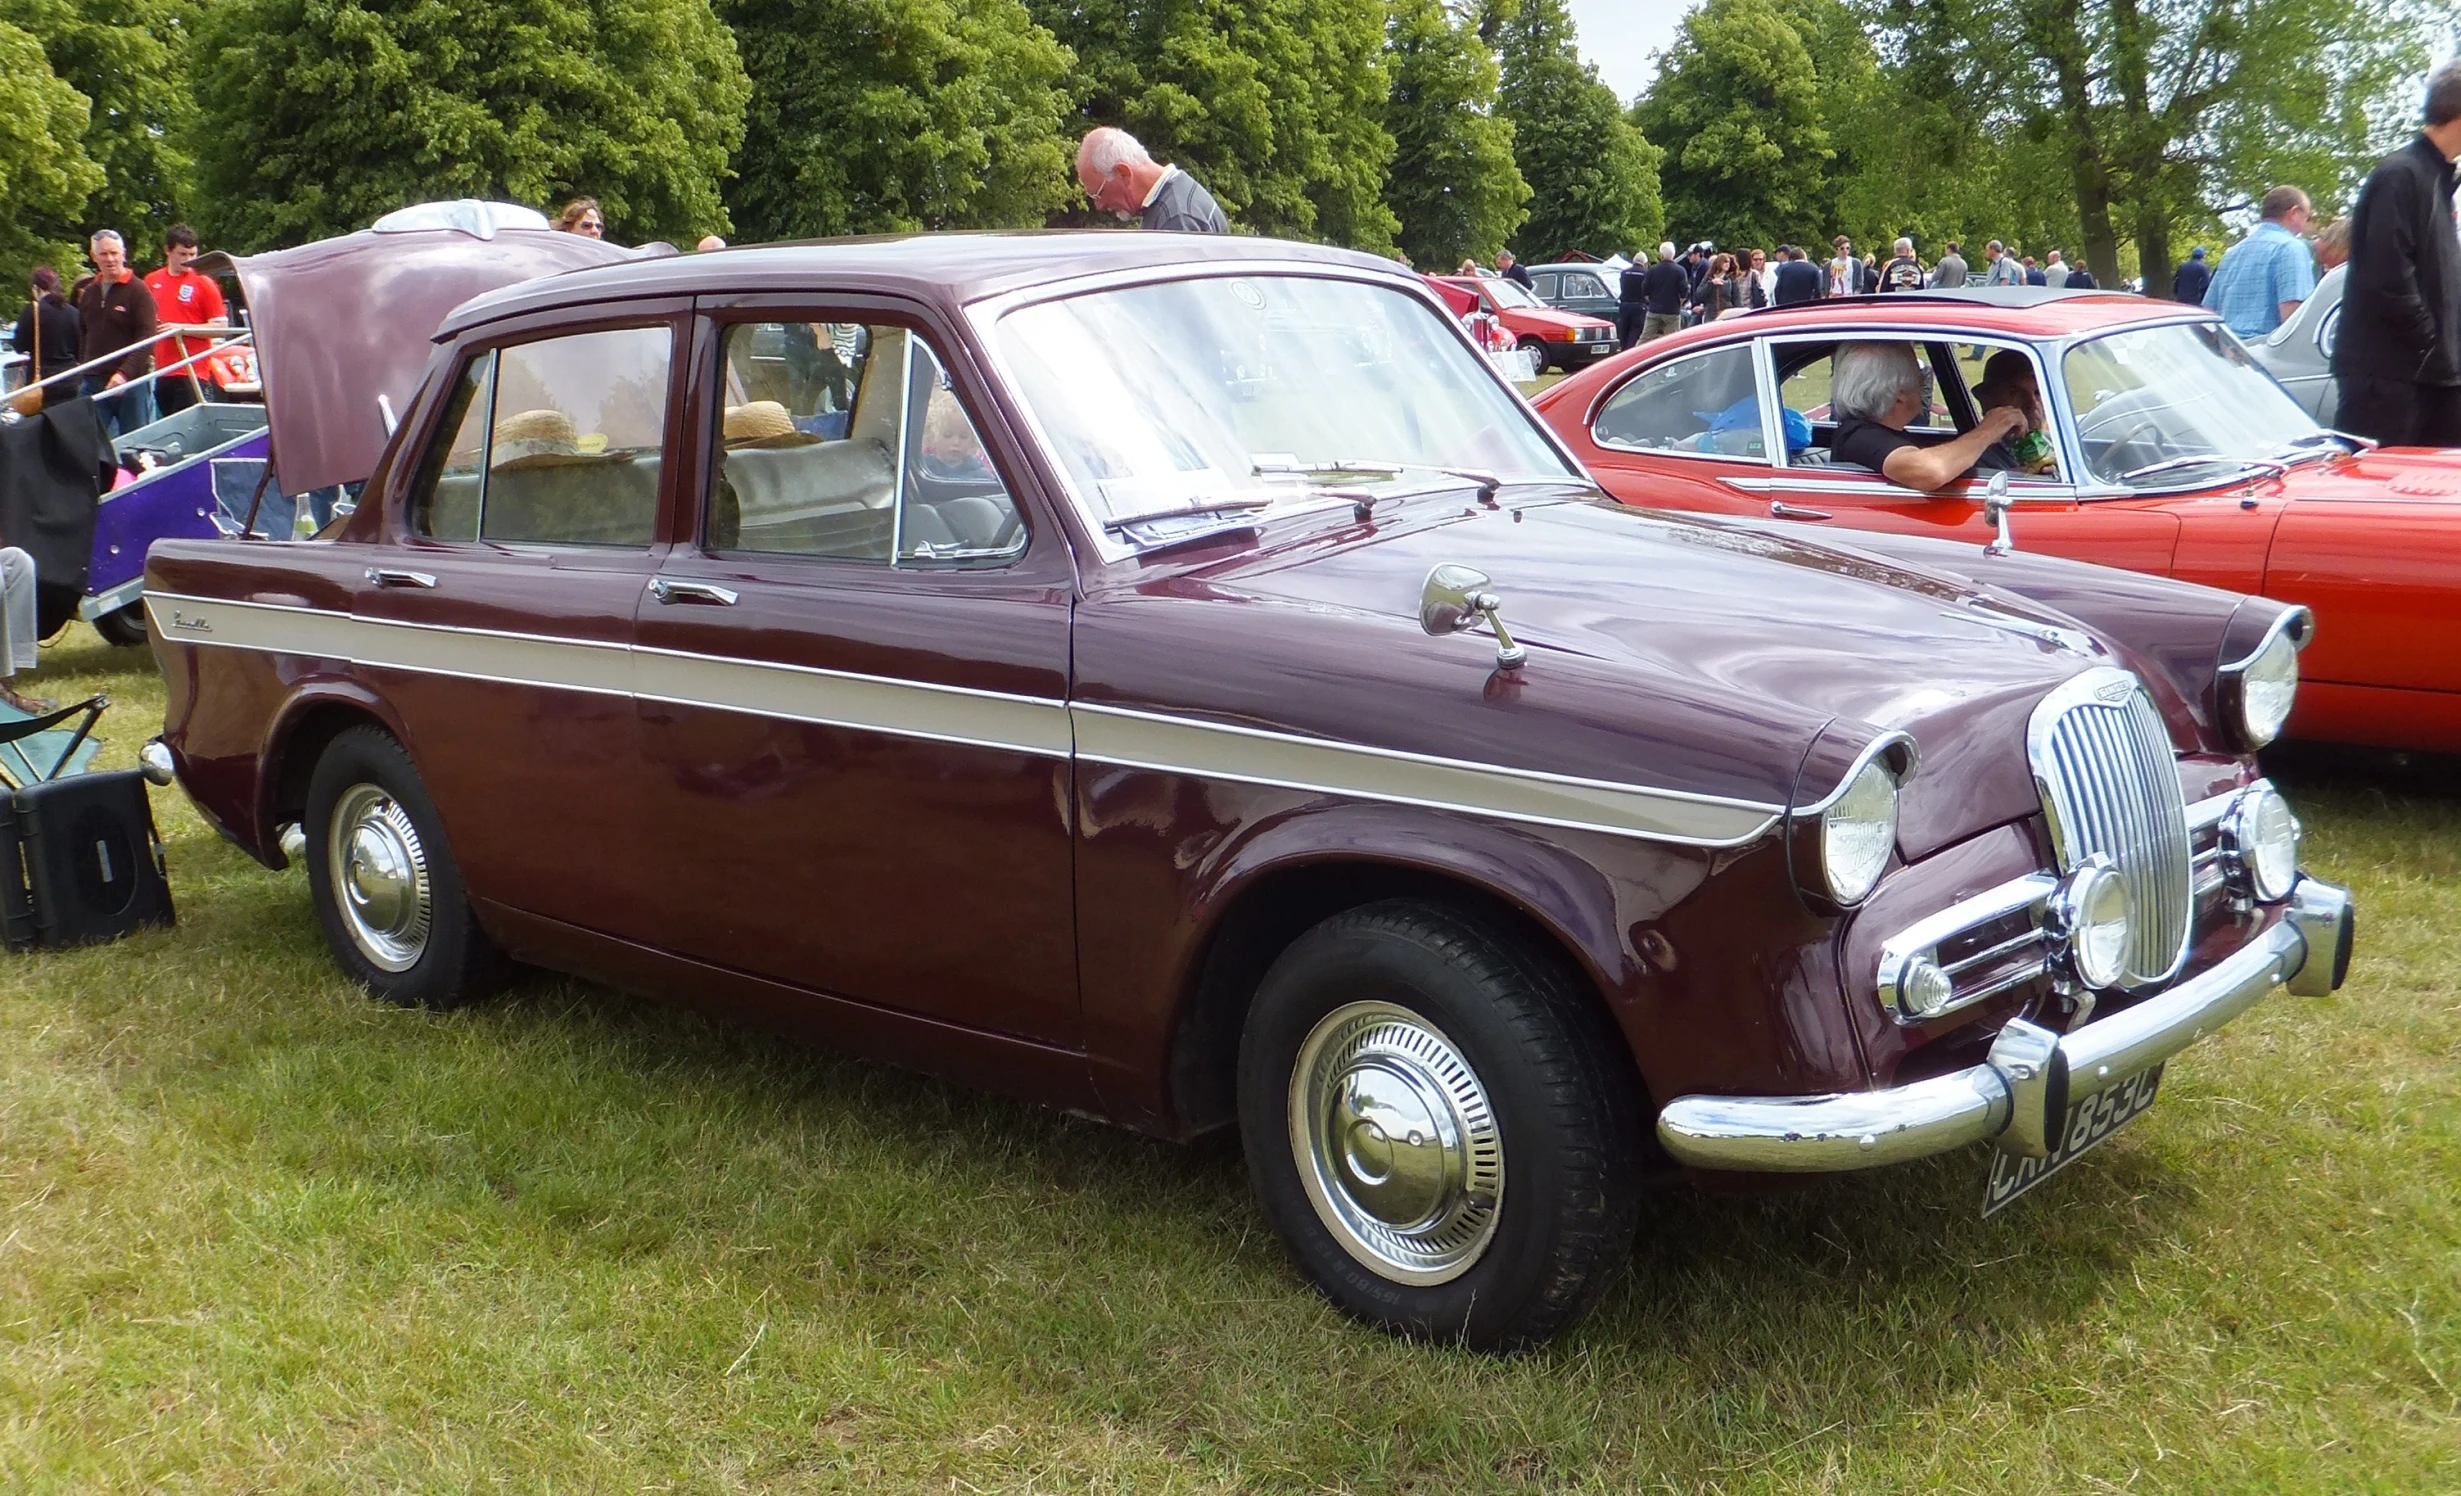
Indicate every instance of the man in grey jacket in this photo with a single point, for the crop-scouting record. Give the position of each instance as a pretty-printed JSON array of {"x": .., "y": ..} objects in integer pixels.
[
  {"x": 2398, "y": 353},
  {"x": 1122, "y": 179}
]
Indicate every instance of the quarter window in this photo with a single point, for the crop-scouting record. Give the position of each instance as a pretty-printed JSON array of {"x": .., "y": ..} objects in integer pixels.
[
  {"x": 847, "y": 440},
  {"x": 557, "y": 442},
  {"x": 1709, "y": 404}
]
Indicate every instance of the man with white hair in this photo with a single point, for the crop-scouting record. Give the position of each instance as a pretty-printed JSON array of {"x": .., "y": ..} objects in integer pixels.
[
  {"x": 116, "y": 315},
  {"x": 1876, "y": 391},
  {"x": 1904, "y": 273},
  {"x": 1663, "y": 289},
  {"x": 1122, "y": 179}
]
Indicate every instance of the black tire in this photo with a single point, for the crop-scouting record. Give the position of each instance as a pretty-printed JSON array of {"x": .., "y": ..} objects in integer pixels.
[
  {"x": 123, "y": 626},
  {"x": 1567, "y": 1112},
  {"x": 365, "y": 780},
  {"x": 1536, "y": 348}
]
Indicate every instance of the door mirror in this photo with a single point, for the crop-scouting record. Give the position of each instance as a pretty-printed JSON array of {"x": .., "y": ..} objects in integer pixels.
[{"x": 1995, "y": 510}]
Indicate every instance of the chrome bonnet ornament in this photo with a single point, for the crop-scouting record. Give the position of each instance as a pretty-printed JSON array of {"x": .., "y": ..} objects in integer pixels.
[{"x": 1457, "y": 594}]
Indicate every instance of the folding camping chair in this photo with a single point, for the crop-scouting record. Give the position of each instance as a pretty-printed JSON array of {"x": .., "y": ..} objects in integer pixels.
[{"x": 38, "y": 750}]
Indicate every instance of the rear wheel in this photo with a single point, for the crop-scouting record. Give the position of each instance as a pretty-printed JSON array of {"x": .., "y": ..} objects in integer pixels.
[
  {"x": 387, "y": 889},
  {"x": 1442, "y": 1125},
  {"x": 123, "y": 626}
]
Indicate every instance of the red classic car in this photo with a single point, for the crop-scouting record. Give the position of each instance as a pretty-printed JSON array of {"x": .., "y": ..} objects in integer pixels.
[
  {"x": 2172, "y": 452},
  {"x": 1553, "y": 338},
  {"x": 1187, "y": 686}
]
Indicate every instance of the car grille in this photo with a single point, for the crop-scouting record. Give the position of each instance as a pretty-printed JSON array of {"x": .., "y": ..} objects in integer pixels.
[{"x": 2110, "y": 786}]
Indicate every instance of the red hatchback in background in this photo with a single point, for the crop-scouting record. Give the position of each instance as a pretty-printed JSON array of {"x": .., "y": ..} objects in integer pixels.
[
  {"x": 2171, "y": 452},
  {"x": 1558, "y": 339}
]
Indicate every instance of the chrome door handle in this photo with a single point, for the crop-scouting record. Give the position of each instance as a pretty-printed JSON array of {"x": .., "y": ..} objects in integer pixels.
[
  {"x": 708, "y": 594},
  {"x": 393, "y": 576},
  {"x": 1780, "y": 509}
]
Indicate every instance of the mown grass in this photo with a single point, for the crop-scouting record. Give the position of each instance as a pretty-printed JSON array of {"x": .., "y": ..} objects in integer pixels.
[{"x": 257, "y": 1233}]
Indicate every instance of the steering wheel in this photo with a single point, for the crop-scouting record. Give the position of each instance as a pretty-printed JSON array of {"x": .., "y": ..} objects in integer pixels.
[{"x": 2139, "y": 446}]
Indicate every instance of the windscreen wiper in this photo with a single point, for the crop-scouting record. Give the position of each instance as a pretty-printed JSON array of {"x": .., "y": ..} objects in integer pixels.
[
  {"x": 2205, "y": 459},
  {"x": 1488, "y": 483},
  {"x": 1196, "y": 509}
]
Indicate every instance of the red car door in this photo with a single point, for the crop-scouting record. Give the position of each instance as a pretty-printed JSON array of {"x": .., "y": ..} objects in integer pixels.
[
  {"x": 495, "y": 615},
  {"x": 1690, "y": 433},
  {"x": 852, "y": 672},
  {"x": 2045, "y": 513}
]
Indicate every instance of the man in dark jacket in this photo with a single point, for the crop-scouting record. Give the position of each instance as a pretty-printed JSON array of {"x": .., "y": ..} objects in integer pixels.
[
  {"x": 2398, "y": 355},
  {"x": 1798, "y": 279},
  {"x": 1511, "y": 269},
  {"x": 2188, "y": 282},
  {"x": 116, "y": 312},
  {"x": 1631, "y": 302},
  {"x": 1666, "y": 285},
  {"x": 1122, "y": 179}
]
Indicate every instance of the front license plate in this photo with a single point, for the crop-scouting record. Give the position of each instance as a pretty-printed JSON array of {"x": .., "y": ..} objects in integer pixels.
[{"x": 2089, "y": 1122}]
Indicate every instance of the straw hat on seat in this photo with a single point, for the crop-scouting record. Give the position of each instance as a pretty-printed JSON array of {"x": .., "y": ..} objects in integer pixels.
[
  {"x": 762, "y": 423},
  {"x": 536, "y": 438}
]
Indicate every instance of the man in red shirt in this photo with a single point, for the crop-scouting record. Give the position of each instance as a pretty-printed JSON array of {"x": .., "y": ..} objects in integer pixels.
[{"x": 181, "y": 295}]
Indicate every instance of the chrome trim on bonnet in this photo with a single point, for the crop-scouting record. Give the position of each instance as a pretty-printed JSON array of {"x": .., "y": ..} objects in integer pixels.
[
  {"x": 1860, "y": 1130},
  {"x": 1041, "y": 726}
]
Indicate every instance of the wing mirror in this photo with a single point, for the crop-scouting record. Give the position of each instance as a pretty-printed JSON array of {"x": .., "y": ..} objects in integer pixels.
[
  {"x": 1995, "y": 503},
  {"x": 1457, "y": 595}
]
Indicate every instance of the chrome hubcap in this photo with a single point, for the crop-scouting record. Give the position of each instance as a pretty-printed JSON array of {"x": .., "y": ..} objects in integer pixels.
[
  {"x": 1396, "y": 1143},
  {"x": 380, "y": 877}
]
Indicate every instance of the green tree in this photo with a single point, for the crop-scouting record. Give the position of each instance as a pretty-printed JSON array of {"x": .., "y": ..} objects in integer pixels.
[
  {"x": 129, "y": 58},
  {"x": 1737, "y": 110},
  {"x": 1593, "y": 178},
  {"x": 317, "y": 116},
  {"x": 1277, "y": 106},
  {"x": 894, "y": 115},
  {"x": 2161, "y": 115},
  {"x": 45, "y": 174},
  {"x": 1454, "y": 186}
]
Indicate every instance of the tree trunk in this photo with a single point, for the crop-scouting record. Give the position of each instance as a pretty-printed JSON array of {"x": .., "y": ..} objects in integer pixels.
[{"x": 2153, "y": 248}]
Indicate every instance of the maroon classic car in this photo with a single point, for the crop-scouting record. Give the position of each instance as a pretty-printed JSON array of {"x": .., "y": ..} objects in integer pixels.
[{"x": 1183, "y": 683}]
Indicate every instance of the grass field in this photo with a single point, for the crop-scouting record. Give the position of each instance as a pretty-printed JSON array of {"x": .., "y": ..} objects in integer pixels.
[{"x": 259, "y": 1234}]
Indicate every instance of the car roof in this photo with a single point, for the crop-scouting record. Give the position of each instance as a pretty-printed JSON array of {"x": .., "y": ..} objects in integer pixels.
[
  {"x": 2034, "y": 311},
  {"x": 960, "y": 267}
]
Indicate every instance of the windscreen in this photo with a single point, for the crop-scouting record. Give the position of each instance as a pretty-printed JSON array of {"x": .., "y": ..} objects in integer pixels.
[
  {"x": 2171, "y": 405},
  {"x": 1224, "y": 392}
]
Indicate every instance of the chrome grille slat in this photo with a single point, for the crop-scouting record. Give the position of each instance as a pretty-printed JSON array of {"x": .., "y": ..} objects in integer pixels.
[{"x": 2110, "y": 786}]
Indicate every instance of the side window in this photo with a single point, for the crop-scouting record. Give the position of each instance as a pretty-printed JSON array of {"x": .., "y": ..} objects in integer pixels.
[
  {"x": 846, "y": 440},
  {"x": 1584, "y": 284},
  {"x": 1803, "y": 389},
  {"x": 1708, "y": 403},
  {"x": 1544, "y": 285},
  {"x": 557, "y": 442},
  {"x": 444, "y": 500}
]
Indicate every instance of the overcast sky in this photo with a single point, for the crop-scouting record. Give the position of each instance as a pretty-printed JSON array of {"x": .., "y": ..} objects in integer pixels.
[{"x": 1622, "y": 38}]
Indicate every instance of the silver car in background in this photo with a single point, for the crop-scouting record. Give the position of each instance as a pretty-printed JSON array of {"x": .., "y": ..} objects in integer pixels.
[{"x": 2299, "y": 353}]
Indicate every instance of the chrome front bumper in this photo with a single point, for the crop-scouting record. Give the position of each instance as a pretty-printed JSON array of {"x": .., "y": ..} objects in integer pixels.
[{"x": 2019, "y": 1096}]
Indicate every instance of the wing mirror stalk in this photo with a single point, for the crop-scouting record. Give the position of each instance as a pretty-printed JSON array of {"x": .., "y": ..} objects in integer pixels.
[
  {"x": 1995, "y": 503},
  {"x": 1454, "y": 596}
]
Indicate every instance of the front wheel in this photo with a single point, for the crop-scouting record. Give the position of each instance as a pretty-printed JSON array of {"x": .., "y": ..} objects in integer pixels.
[
  {"x": 123, "y": 626},
  {"x": 1538, "y": 355},
  {"x": 1442, "y": 1125},
  {"x": 387, "y": 889}
]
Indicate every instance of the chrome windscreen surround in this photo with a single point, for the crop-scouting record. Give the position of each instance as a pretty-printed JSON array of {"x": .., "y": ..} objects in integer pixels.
[{"x": 2109, "y": 778}]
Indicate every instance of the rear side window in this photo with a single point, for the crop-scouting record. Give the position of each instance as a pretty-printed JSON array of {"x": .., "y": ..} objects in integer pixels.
[
  {"x": 554, "y": 442},
  {"x": 1544, "y": 285},
  {"x": 1707, "y": 404},
  {"x": 1583, "y": 283},
  {"x": 847, "y": 441}
]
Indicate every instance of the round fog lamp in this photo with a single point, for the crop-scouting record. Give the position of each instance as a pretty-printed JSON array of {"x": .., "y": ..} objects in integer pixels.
[
  {"x": 2092, "y": 912},
  {"x": 2260, "y": 836}
]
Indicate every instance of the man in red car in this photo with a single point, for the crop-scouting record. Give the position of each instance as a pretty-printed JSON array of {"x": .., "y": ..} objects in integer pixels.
[
  {"x": 181, "y": 296},
  {"x": 1876, "y": 390}
]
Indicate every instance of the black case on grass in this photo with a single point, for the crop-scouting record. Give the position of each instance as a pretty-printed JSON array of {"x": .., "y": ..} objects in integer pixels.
[{"x": 79, "y": 862}]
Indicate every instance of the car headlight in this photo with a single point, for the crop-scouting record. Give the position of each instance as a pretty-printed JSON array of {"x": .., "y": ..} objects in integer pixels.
[
  {"x": 2260, "y": 839},
  {"x": 2257, "y": 694},
  {"x": 2089, "y": 915},
  {"x": 1857, "y": 832}
]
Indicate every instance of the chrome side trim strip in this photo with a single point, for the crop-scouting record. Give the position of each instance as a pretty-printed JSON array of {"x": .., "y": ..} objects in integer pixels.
[
  {"x": 831, "y": 698},
  {"x": 111, "y": 600},
  {"x": 1177, "y": 745},
  {"x": 1041, "y": 726}
]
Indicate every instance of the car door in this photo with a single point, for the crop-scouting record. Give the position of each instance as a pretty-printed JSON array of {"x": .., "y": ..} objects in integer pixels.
[
  {"x": 853, "y": 670},
  {"x": 495, "y": 615},
  {"x": 1689, "y": 433},
  {"x": 2045, "y": 512}
]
